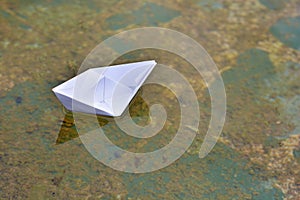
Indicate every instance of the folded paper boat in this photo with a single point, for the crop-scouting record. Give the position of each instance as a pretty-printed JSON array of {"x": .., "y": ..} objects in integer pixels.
[{"x": 104, "y": 90}]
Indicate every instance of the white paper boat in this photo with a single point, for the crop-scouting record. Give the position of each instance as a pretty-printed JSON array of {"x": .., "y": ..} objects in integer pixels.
[{"x": 104, "y": 90}]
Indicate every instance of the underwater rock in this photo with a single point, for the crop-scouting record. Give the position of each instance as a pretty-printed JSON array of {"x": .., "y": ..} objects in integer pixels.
[
  {"x": 287, "y": 30},
  {"x": 273, "y": 4},
  {"x": 150, "y": 14}
]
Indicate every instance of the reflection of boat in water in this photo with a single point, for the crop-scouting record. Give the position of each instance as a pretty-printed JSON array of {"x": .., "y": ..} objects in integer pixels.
[
  {"x": 105, "y": 90},
  {"x": 68, "y": 130}
]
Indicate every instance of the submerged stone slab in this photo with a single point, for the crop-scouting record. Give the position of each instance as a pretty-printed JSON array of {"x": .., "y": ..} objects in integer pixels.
[
  {"x": 273, "y": 4},
  {"x": 150, "y": 14},
  {"x": 287, "y": 30}
]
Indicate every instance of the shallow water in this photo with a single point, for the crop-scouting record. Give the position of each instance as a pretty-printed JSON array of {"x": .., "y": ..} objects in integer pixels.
[{"x": 255, "y": 44}]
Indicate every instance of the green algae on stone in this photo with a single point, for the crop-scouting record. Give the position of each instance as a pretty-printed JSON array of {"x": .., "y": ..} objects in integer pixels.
[
  {"x": 253, "y": 66},
  {"x": 223, "y": 174},
  {"x": 210, "y": 4},
  {"x": 91, "y": 4},
  {"x": 4, "y": 14},
  {"x": 286, "y": 90},
  {"x": 119, "y": 45},
  {"x": 14, "y": 21},
  {"x": 150, "y": 14},
  {"x": 287, "y": 30},
  {"x": 296, "y": 153},
  {"x": 292, "y": 111},
  {"x": 35, "y": 100},
  {"x": 248, "y": 85},
  {"x": 274, "y": 4}
]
